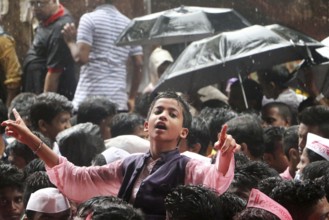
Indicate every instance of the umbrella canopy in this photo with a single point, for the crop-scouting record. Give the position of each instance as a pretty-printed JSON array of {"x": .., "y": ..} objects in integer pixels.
[
  {"x": 180, "y": 25},
  {"x": 226, "y": 55}
]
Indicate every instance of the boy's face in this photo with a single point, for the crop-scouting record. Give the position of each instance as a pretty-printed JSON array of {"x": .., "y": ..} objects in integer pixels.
[
  {"x": 303, "y": 161},
  {"x": 165, "y": 123},
  {"x": 320, "y": 210},
  {"x": 272, "y": 117},
  {"x": 11, "y": 204},
  {"x": 58, "y": 124}
]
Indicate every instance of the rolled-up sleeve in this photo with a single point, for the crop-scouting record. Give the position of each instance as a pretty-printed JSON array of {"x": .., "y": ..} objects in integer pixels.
[
  {"x": 198, "y": 172},
  {"x": 82, "y": 183}
]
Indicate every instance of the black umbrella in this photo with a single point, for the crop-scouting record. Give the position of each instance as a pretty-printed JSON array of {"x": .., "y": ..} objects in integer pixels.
[
  {"x": 231, "y": 54},
  {"x": 180, "y": 25}
]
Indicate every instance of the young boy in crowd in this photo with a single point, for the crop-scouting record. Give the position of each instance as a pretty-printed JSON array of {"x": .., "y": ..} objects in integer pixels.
[{"x": 143, "y": 180}]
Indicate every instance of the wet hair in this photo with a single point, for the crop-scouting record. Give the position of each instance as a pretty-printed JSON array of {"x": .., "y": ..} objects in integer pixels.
[
  {"x": 94, "y": 109},
  {"x": 123, "y": 211},
  {"x": 284, "y": 111},
  {"x": 215, "y": 119},
  {"x": 11, "y": 176},
  {"x": 81, "y": 143},
  {"x": 47, "y": 106},
  {"x": 278, "y": 74},
  {"x": 271, "y": 136},
  {"x": 298, "y": 197},
  {"x": 267, "y": 185},
  {"x": 230, "y": 204},
  {"x": 192, "y": 202},
  {"x": 290, "y": 140},
  {"x": 34, "y": 166},
  {"x": 22, "y": 103},
  {"x": 187, "y": 117},
  {"x": 240, "y": 159},
  {"x": 198, "y": 133},
  {"x": 315, "y": 170},
  {"x": 316, "y": 116},
  {"x": 125, "y": 123},
  {"x": 37, "y": 180},
  {"x": 247, "y": 129},
  {"x": 251, "y": 213}
]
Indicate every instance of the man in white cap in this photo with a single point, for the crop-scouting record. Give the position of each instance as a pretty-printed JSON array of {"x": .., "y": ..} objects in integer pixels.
[{"x": 48, "y": 204}]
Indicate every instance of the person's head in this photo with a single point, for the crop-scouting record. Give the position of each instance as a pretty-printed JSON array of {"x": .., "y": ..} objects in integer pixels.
[
  {"x": 44, "y": 9},
  {"x": 248, "y": 132},
  {"x": 274, "y": 155},
  {"x": 128, "y": 123},
  {"x": 35, "y": 181},
  {"x": 315, "y": 170},
  {"x": 230, "y": 204},
  {"x": 81, "y": 143},
  {"x": 19, "y": 154},
  {"x": 274, "y": 80},
  {"x": 168, "y": 120},
  {"x": 22, "y": 103},
  {"x": 189, "y": 202},
  {"x": 123, "y": 211},
  {"x": 99, "y": 111},
  {"x": 51, "y": 114},
  {"x": 267, "y": 185},
  {"x": 290, "y": 147},
  {"x": 11, "y": 192},
  {"x": 314, "y": 119},
  {"x": 277, "y": 114},
  {"x": 304, "y": 200},
  {"x": 254, "y": 95},
  {"x": 316, "y": 149},
  {"x": 48, "y": 203},
  {"x": 34, "y": 166},
  {"x": 198, "y": 138}
]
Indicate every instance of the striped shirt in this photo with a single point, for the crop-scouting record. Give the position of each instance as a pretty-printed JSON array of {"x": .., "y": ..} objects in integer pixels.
[{"x": 105, "y": 73}]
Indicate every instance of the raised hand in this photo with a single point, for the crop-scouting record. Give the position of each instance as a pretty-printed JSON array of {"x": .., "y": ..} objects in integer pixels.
[{"x": 69, "y": 33}]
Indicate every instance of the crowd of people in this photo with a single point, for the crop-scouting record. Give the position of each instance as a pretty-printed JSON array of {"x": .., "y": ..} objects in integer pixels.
[{"x": 258, "y": 150}]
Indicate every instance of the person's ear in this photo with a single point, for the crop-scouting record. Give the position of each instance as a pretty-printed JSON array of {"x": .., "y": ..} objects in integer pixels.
[
  {"x": 294, "y": 157},
  {"x": 42, "y": 125},
  {"x": 183, "y": 133},
  {"x": 146, "y": 126}
]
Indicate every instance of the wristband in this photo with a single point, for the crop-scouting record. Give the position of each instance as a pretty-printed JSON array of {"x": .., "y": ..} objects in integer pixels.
[
  {"x": 38, "y": 148},
  {"x": 319, "y": 97}
]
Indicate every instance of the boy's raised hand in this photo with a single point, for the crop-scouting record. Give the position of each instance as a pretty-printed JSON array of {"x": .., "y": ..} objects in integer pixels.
[{"x": 225, "y": 142}]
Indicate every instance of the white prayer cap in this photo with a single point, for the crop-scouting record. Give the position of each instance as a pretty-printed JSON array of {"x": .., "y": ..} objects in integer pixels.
[
  {"x": 318, "y": 144},
  {"x": 48, "y": 200}
]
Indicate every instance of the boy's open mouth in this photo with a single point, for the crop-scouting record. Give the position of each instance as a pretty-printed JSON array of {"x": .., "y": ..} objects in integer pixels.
[{"x": 161, "y": 125}]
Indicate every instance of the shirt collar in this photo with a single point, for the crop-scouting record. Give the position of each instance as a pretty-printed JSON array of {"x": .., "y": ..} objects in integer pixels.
[{"x": 54, "y": 17}]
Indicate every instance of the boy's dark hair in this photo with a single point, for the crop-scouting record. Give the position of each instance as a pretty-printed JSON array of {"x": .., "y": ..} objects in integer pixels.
[
  {"x": 315, "y": 170},
  {"x": 94, "y": 109},
  {"x": 22, "y": 103},
  {"x": 11, "y": 176},
  {"x": 198, "y": 133},
  {"x": 278, "y": 74},
  {"x": 21, "y": 150},
  {"x": 240, "y": 159},
  {"x": 316, "y": 116},
  {"x": 47, "y": 106},
  {"x": 298, "y": 197},
  {"x": 271, "y": 136},
  {"x": 81, "y": 143},
  {"x": 37, "y": 180},
  {"x": 255, "y": 214},
  {"x": 247, "y": 129},
  {"x": 230, "y": 204},
  {"x": 284, "y": 110},
  {"x": 189, "y": 202},
  {"x": 187, "y": 117},
  {"x": 290, "y": 139},
  {"x": 267, "y": 185},
  {"x": 125, "y": 123},
  {"x": 34, "y": 166},
  {"x": 123, "y": 211}
]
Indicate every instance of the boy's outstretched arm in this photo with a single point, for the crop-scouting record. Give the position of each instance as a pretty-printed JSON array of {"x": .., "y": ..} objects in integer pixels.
[{"x": 23, "y": 134}]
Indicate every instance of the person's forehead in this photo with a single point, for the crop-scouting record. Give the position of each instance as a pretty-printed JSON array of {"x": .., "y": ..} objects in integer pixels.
[{"x": 168, "y": 102}]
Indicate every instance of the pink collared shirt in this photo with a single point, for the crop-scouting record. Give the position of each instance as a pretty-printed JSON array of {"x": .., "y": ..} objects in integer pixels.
[{"x": 286, "y": 175}]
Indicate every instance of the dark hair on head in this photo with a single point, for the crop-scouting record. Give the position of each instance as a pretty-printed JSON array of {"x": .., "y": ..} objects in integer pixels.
[
  {"x": 187, "y": 117},
  {"x": 247, "y": 129},
  {"x": 94, "y": 109},
  {"x": 22, "y": 103},
  {"x": 272, "y": 135},
  {"x": 198, "y": 133},
  {"x": 251, "y": 213},
  {"x": 290, "y": 139},
  {"x": 143, "y": 103},
  {"x": 21, "y": 150},
  {"x": 34, "y": 166},
  {"x": 102, "y": 202},
  {"x": 315, "y": 170},
  {"x": 312, "y": 156},
  {"x": 278, "y": 74},
  {"x": 308, "y": 102},
  {"x": 123, "y": 211},
  {"x": 267, "y": 185},
  {"x": 241, "y": 159},
  {"x": 285, "y": 111},
  {"x": 47, "y": 106},
  {"x": 316, "y": 116},
  {"x": 230, "y": 204},
  {"x": 81, "y": 143},
  {"x": 126, "y": 123},
  {"x": 192, "y": 202},
  {"x": 11, "y": 176},
  {"x": 37, "y": 180},
  {"x": 298, "y": 197}
]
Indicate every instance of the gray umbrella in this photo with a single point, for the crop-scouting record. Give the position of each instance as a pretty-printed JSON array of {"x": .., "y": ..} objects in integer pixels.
[
  {"x": 180, "y": 25},
  {"x": 218, "y": 58}
]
